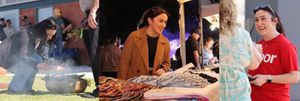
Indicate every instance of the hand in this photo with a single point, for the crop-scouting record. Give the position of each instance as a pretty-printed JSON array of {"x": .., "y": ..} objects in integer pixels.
[
  {"x": 198, "y": 66},
  {"x": 92, "y": 20},
  {"x": 69, "y": 26},
  {"x": 260, "y": 80},
  {"x": 216, "y": 59},
  {"x": 43, "y": 66},
  {"x": 251, "y": 78},
  {"x": 213, "y": 60},
  {"x": 159, "y": 72},
  {"x": 59, "y": 68}
]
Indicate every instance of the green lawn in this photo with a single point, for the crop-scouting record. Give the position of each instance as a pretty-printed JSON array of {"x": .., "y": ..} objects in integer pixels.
[{"x": 39, "y": 85}]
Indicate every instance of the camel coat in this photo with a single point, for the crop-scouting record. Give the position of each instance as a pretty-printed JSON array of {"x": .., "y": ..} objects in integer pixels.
[{"x": 134, "y": 56}]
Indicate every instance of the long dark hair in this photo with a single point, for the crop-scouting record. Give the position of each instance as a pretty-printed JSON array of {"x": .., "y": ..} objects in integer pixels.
[
  {"x": 39, "y": 30},
  {"x": 46, "y": 24},
  {"x": 151, "y": 13},
  {"x": 271, "y": 11}
]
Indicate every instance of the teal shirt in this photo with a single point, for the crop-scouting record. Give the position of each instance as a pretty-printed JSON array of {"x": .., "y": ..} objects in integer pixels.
[{"x": 235, "y": 56}]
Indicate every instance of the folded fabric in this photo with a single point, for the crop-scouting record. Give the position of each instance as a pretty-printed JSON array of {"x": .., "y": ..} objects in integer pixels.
[
  {"x": 121, "y": 90},
  {"x": 173, "y": 79},
  {"x": 177, "y": 97}
]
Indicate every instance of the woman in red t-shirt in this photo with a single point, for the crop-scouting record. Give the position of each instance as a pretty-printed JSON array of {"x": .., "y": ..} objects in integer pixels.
[{"x": 279, "y": 67}]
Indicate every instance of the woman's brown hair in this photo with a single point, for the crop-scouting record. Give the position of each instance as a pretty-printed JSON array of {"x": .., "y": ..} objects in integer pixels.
[
  {"x": 151, "y": 13},
  {"x": 273, "y": 13},
  {"x": 228, "y": 16}
]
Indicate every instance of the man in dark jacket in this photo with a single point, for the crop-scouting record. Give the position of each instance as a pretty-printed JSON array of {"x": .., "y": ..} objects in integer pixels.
[
  {"x": 32, "y": 47},
  {"x": 2, "y": 34}
]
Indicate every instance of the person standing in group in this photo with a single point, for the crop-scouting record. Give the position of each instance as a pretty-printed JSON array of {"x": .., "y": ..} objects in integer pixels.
[
  {"x": 192, "y": 49},
  {"x": 237, "y": 54},
  {"x": 56, "y": 50},
  {"x": 92, "y": 10},
  {"x": 26, "y": 22},
  {"x": 279, "y": 67},
  {"x": 146, "y": 51},
  {"x": 2, "y": 34},
  {"x": 6, "y": 44},
  {"x": 9, "y": 30}
]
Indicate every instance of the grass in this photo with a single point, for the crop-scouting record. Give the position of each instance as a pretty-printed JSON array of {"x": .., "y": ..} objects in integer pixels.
[{"x": 39, "y": 85}]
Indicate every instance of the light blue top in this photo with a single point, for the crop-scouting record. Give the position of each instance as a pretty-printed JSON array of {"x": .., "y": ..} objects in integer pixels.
[
  {"x": 235, "y": 56},
  {"x": 207, "y": 55}
]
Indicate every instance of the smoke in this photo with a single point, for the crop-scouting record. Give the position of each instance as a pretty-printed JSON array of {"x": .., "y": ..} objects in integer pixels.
[
  {"x": 64, "y": 81},
  {"x": 23, "y": 58}
]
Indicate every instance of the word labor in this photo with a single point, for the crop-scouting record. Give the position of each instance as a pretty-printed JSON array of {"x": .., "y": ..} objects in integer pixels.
[{"x": 268, "y": 58}]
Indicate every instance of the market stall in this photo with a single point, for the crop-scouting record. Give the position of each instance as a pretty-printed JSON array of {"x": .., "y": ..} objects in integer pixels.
[
  {"x": 210, "y": 92},
  {"x": 187, "y": 82},
  {"x": 207, "y": 92}
]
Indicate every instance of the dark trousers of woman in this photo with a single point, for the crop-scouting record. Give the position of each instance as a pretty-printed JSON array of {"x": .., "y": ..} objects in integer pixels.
[{"x": 91, "y": 41}]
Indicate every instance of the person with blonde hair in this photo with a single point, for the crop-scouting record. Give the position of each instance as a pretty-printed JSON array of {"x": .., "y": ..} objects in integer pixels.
[
  {"x": 56, "y": 50},
  {"x": 237, "y": 54}
]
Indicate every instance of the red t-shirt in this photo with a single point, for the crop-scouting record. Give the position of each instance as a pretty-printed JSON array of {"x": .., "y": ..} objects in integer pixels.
[{"x": 279, "y": 57}]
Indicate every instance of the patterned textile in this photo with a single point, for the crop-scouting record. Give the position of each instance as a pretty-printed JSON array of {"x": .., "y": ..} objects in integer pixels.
[
  {"x": 235, "y": 56},
  {"x": 177, "y": 98},
  {"x": 111, "y": 89},
  {"x": 175, "y": 80}
]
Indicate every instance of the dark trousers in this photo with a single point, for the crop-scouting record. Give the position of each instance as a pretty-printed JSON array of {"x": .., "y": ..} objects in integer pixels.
[
  {"x": 91, "y": 41},
  {"x": 110, "y": 74}
]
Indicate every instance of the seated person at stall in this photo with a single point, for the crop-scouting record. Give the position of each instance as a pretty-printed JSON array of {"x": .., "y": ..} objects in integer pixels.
[
  {"x": 208, "y": 56},
  {"x": 146, "y": 50},
  {"x": 110, "y": 57}
]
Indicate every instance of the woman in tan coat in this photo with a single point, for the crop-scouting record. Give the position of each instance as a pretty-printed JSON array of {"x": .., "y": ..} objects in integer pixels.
[{"x": 146, "y": 51}]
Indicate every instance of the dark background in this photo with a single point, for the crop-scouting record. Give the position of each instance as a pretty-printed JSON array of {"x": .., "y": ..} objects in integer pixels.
[{"x": 120, "y": 17}]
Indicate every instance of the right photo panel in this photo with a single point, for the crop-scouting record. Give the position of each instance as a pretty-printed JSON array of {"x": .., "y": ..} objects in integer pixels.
[{"x": 258, "y": 55}]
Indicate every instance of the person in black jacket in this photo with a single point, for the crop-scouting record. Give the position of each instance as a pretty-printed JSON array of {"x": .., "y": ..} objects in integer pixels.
[
  {"x": 2, "y": 34},
  {"x": 33, "y": 48}
]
